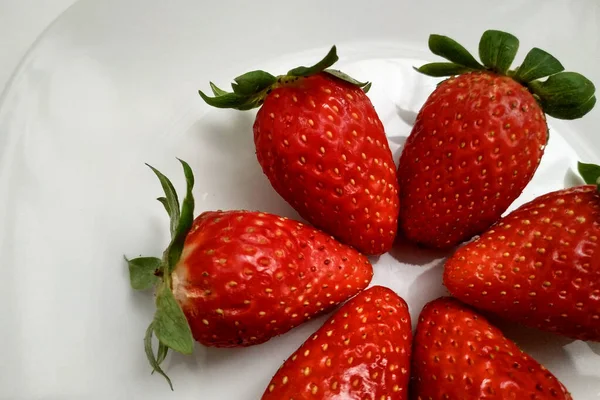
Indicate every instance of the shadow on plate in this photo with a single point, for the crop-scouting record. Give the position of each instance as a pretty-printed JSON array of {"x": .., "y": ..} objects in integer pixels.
[
  {"x": 572, "y": 178},
  {"x": 413, "y": 254},
  {"x": 276, "y": 350},
  {"x": 550, "y": 350},
  {"x": 408, "y": 116},
  {"x": 533, "y": 341},
  {"x": 143, "y": 301},
  {"x": 595, "y": 347},
  {"x": 400, "y": 141},
  {"x": 230, "y": 131},
  {"x": 426, "y": 287},
  {"x": 228, "y": 140}
]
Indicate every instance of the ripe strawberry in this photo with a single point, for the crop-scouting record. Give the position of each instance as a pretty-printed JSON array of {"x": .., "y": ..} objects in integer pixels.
[
  {"x": 361, "y": 352},
  {"x": 324, "y": 150},
  {"x": 238, "y": 278},
  {"x": 245, "y": 277},
  {"x": 538, "y": 265},
  {"x": 457, "y": 354},
  {"x": 479, "y": 137}
]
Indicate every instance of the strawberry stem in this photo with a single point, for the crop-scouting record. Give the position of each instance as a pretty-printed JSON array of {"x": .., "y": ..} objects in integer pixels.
[
  {"x": 564, "y": 95},
  {"x": 251, "y": 88},
  {"x": 169, "y": 325}
]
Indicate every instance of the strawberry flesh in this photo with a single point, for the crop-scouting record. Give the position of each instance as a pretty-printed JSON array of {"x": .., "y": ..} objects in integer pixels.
[
  {"x": 324, "y": 150},
  {"x": 457, "y": 354},
  {"x": 361, "y": 352},
  {"x": 538, "y": 266},
  {"x": 245, "y": 277},
  {"x": 475, "y": 145}
]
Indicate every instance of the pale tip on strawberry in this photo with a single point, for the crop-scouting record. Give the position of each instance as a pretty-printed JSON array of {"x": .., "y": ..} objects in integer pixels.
[{"x": 563, "y": 94}]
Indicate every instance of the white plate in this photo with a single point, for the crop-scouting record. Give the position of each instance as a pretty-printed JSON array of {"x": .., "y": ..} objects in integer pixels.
[{"x": 112, "y": 84}]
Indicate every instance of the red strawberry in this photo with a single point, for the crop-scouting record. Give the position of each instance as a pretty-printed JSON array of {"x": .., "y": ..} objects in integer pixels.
[
  {"x": 457, "y": 355},
  {"x": 361, "y": 352},
  {"x": 538, "y": 265},
  {"x": 324, "y": 150},
  {"x": 479, "y": 137},
  {"x": 245, "y": 277},
  {"x": 238, "y": 278}
]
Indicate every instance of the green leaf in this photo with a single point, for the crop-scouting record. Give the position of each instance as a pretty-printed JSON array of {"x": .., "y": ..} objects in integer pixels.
[
  {"x": 326, "y": 62},
  {"x": 566, "y": 95},
  {"x": 141, "y": 272},
  {"x": 249, "y": 105},
  {"x": 367, "y": 87},
  {"x": 451, "y": 50},
  {"x": 170, "y": 325},
  {"x": 497, "y": 50},
  {"x": 185, "y": 221},
  {"x": 537, "y": 64},
  {"x": 564, "y": 88},
  {"x": 569, "y": 112},
  {"x": 150, "y": 354},
  {"x": 165, "y": 203},
  {"x": 230, "y": 100},
  {"x": 253, "y": 82},
  {"x": 345, "y": 77},
  {"x": 439, "y": 69},
  {"x": 249, "y": 89},
  {"x": 171, "y": 197},
  {"x": 216, "y": 90},
  {"x": 589, "y": 172},
  {"x": 162, "y": 353}
]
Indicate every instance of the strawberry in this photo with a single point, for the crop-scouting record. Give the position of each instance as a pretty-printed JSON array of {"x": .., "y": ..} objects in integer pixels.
[
  {"x": 479, "y": 137},
  {"x": 324, "y": 150},
  {"x": 538, "y": 265},
  {"x": 361, "y": 352},
  {"x": 238, "y": 278},
  {"x": 245, "y": 277},
  {"x": 458, "y": 354}
]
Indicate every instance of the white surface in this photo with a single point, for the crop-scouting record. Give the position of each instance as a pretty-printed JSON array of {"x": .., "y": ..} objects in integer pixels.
[
  {"x": 113, "y": 85},
  {"x": 21, "y": 22}
]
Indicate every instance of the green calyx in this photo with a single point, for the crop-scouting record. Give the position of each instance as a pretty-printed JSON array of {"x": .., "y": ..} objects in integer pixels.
[
  {"x": 251, "y": 88},
  {"x": 563, "y": 95},
  {"x": 590, "y": 173},
  {"x": 169, "y": 325}
]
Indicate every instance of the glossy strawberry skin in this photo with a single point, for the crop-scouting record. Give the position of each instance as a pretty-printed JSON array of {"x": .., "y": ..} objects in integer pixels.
[
  {"x": 538, "y": 266},
  {"x": 245, "y": 277},
  {"x": 475, "y": 145},
  {"x": 324, "y": 150},
  {"x": 458, "y": 355},
  {"x": 361, "y": 352}
]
